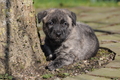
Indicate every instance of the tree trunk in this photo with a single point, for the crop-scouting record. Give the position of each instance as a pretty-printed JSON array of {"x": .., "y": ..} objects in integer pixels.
[
  {"x": 2, "y": 36},
  {"x": 20, "y": 53}
]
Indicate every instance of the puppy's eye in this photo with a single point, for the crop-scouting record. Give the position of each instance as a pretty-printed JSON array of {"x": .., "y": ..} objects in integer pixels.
[
  {"x": 50, "y": 23},
  {"x": 65, "y": 23}
]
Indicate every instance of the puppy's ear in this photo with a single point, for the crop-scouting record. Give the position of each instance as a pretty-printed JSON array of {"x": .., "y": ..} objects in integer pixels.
[
  {"x": 73, "y": 17},
  {"x": 41, "y": 15}
]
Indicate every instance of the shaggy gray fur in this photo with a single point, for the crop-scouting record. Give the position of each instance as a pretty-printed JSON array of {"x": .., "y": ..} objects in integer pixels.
[{"x": 66, "y": 41}]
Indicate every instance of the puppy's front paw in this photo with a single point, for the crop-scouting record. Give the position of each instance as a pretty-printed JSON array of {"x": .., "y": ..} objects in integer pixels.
[
  {"x": 48, "y": 58},
  {"x": 53, "y": 65}
]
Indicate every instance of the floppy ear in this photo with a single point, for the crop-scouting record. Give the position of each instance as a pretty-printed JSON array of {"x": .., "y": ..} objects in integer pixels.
[
  {"x": 73, "y": 17},
  {"x": 41, "y": 15}
]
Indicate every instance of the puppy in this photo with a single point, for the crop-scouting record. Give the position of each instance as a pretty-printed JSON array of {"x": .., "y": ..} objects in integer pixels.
[{"x": 66, "y": 41}]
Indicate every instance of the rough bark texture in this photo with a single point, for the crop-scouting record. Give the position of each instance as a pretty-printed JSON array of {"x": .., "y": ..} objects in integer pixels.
[
  {"x": 2, "y": 36},
  {"x": 20, "y": 53}
]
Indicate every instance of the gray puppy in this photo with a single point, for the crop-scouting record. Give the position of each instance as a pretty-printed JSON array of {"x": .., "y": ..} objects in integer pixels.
[{"x": 66, "y": 41}]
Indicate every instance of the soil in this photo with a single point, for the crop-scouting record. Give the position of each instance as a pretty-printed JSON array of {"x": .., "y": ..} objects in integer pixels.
[{"x": 103, "y": 57}]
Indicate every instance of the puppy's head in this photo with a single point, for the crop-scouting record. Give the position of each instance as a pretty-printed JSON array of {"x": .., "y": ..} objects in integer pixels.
[{"x": 57, "y": 23}]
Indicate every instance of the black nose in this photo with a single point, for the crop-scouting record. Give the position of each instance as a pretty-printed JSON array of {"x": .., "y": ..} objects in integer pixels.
[{"x": 58, "y": 34}]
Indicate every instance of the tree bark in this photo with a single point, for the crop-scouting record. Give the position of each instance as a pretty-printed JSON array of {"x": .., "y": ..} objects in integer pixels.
[
  {"x": 20, "y": 53},
  {"x": 2, "y": 36}
]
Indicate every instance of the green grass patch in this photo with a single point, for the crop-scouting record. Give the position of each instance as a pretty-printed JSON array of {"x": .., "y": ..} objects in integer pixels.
[
  {"x": 46, "y": 76},
  {"x": 5, "y": 77},
  {"x": 73, "y": 3}
]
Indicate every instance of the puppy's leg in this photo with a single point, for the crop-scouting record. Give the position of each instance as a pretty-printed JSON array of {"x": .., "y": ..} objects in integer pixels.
[
  {"x": 47, "y": 52},
  {"x": 60, "y": 61}
]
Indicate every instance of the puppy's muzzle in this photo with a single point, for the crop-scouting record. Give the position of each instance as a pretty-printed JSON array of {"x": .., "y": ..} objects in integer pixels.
[{"x": 58, "y": 34}]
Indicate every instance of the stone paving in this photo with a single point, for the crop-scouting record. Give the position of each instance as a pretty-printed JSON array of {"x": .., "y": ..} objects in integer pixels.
[{"x": 104, "y": 19}]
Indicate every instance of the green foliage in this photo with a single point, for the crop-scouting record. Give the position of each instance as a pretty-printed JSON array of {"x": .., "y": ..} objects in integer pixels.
[
  {"x": 1, "y": 76},
  {"x": 72, "y": 3},
  {"x": 114, "y": 79},
  {"x": 94, "y": 58},
  {"x": 63, "y": 75},
  {"x": 6, "y": 77},
  {"x": 46, "y": 76},
  {"x": 66, "y": 74}
]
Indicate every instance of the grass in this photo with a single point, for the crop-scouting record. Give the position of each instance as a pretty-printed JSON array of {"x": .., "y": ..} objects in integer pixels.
[
  {"x": 72, "y": 3},
  {"x": 5, "y": 77}
]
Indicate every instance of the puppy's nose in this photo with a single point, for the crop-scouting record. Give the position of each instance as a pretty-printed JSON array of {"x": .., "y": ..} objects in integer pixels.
[{"x": 58, "y": 34}]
